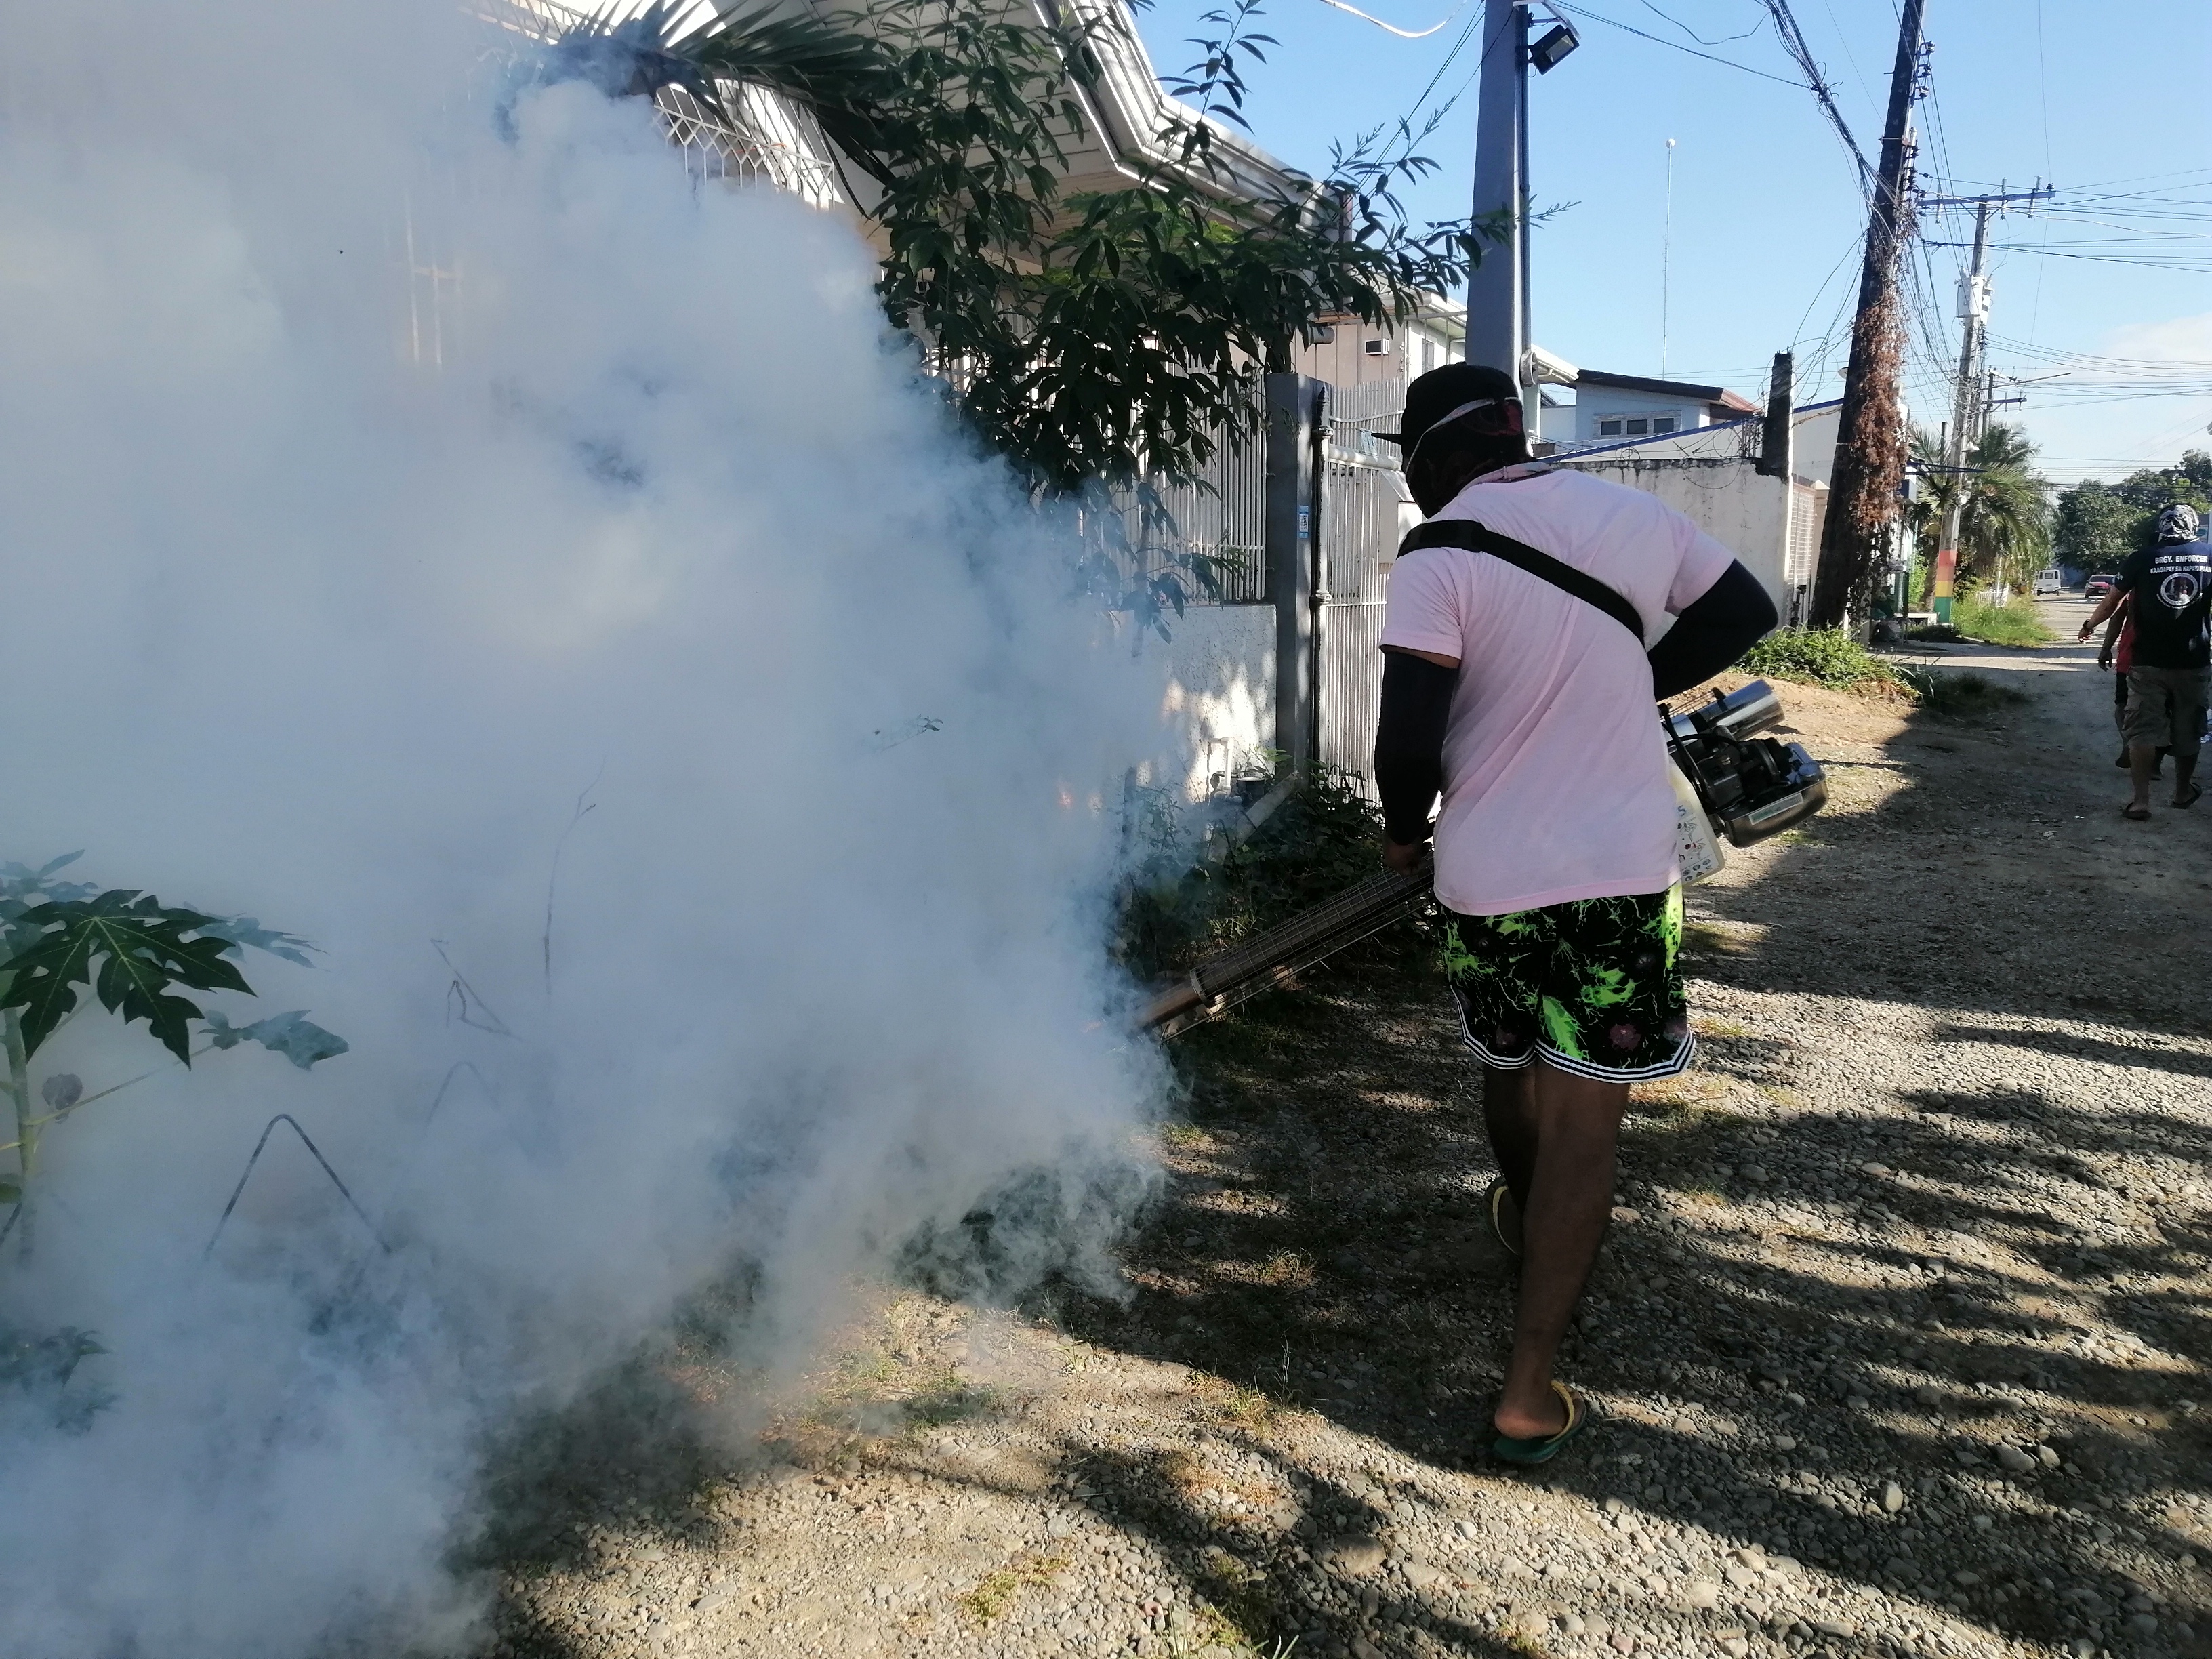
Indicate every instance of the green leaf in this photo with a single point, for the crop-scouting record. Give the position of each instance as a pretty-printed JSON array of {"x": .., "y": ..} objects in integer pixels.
[
  {"x": 143, "y": 951},
  {"x": 294, "y": 1036}
]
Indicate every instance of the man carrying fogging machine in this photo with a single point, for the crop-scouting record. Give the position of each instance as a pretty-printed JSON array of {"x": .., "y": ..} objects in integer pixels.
[{"x": 1517, "y": 686}]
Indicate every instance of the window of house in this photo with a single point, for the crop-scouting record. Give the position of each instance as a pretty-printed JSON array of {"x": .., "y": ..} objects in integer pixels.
[
  {"x": 1638, "y": 425},
  {"x": 1376, "y": 348},
  {"x": 1610, "y": 429},
  {"x": 1428, "y": 354},
  {"x": 1662, "y": 422}
]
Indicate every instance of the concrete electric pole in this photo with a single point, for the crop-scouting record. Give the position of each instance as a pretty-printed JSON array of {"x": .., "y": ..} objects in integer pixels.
[
  {"x": 1870, "y": 467},
  {"x": 1496, "y": 302},
  {"x": 1498, "y": 308},
  {"x": 1969, "y": 404}
]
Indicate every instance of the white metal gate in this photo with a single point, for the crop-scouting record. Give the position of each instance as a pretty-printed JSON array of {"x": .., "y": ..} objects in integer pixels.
[{"x": 1361, "y": 492}]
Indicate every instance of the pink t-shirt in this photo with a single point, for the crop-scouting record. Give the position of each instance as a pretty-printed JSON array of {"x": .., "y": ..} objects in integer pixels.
[{"x": 1555, "y": 769}]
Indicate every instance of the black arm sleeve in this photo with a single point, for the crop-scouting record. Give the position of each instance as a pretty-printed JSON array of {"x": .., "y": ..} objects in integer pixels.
[
  {"x": 1712, "y": 632},
  {"x": 1409, "y": 743}
]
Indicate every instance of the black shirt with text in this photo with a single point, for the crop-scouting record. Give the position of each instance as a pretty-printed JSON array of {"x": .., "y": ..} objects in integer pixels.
[{"x": 2173, "y": 586}]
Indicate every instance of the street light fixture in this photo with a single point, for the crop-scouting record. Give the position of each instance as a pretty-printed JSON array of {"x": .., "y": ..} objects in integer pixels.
[{"x": 1557, "y": 42}]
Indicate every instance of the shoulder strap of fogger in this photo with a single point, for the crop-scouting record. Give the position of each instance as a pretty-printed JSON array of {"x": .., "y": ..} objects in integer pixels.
[{"x": 1478, "y": 537}]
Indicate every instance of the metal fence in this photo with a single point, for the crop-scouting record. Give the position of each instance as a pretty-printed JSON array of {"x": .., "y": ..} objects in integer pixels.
[
  {"x": 1361, "y": 494},
  {"x": 770, "y": 141},
  {"x": 1219, "y": 517}
]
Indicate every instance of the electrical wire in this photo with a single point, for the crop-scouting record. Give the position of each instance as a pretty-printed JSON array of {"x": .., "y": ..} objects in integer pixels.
[
  {"x": 1392, "y": 28},
  {"x": 1794, "y": 43},
  {"x": 1659, "y": 40},
  {"x": 1691, "y": 33}
]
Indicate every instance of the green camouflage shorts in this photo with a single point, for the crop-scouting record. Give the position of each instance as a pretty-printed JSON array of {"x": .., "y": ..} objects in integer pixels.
[{"x": 1593, "y": 985}]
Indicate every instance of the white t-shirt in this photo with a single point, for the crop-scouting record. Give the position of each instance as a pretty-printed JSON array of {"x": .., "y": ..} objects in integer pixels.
[{"x": 1555, "y": 769}]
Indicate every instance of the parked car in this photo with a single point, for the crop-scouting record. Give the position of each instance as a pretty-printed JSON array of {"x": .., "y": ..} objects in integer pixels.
[
  {"x": 2047, "y": 584},
  {"x": 2097, "y": 587}
]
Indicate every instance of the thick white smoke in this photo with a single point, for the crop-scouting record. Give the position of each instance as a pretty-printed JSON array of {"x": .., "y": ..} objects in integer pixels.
[{"x": 385, "y": 480}]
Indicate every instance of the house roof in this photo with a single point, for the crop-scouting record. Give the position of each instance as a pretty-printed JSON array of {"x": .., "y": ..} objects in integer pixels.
[
  {"x": 1134, "y": 126},
  {"x": 1683, "y": 389},
  {"x": 1690, "y": 435}
]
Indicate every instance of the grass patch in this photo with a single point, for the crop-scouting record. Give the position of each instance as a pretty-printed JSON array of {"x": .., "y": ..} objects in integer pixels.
[
  {"x": 1182, "y": 907},
  {"x": 947, "y": 1398},
  {"x": 1186, "y": 1136},
  {"x": 2015, "y": 623},
  {"x": 1241, "y": 1607},
  {"x": 1232, "y": 1405},
  {"x": 998, "y": 1592},
  {"x": 1689, "y": 1092},
  {"x": 1960, "y": 695},
  {"x": 1818, "y": 656},
  {"x": 1706, "y": 938}
]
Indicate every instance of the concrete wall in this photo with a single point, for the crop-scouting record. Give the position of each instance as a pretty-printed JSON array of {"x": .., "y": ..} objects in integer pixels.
[
  {"x": 1217, "y": 709},
  {"x": 1747, "y": 515}
]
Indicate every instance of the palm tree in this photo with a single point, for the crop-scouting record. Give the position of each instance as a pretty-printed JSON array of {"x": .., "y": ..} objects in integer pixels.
[{"x": 2004, "y": 525}]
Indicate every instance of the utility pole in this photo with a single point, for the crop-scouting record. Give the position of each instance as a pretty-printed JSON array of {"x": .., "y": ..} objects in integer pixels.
[
  {"x": 1970, "y": 401},
  {"x": 1496, "y": 299},
  {"x": 1869, "y": 440},
  {"x": 1665, "y": 255},
  {"x": 1498, "y": 302}
]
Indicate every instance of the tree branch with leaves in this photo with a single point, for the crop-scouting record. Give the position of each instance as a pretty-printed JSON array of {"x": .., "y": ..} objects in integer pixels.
[
  {"x": 134, "y": 956},
  {"x": 1098, "y": 338}
]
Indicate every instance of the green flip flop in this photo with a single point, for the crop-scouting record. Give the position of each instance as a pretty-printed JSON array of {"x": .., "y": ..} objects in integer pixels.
[
  {"x": 1497, "y": 1198},
  {"x": 1543, "y": 1447}
]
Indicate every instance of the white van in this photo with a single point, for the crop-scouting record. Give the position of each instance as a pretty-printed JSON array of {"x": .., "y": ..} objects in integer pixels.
[{"x": 2047, "y": 584}]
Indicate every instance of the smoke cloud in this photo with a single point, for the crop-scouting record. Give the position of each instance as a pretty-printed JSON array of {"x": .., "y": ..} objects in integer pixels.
[{"x": 432, "y": 524}]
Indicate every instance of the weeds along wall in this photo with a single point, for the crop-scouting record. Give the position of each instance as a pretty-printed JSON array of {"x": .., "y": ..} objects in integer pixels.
[{"x": 683, "y": 750}]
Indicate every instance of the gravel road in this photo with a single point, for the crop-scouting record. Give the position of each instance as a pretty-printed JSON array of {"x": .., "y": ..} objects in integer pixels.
[{"x": 1900, "y": 1335}]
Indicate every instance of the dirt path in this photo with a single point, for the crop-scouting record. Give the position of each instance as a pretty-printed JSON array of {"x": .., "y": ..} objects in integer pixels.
[{"x": 1900, "y": 1331}]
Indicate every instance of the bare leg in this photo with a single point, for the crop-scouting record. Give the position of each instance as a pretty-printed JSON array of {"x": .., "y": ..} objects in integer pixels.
[
  {"x": 1509, "y": 1113},
  {"x": 1563, "y": 1223},
  {"x": 2184, "y": 770},
  {"x": 2143, "y": 761}
]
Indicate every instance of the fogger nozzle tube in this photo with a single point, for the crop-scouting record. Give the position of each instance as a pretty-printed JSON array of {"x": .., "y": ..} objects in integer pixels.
[{"x": 1271, "y": 957}]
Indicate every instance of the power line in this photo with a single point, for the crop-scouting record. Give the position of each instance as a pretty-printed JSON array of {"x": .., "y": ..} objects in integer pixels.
[
  {"x": 1658, "y": 40},
  {"x": 1793, "y": 42}
]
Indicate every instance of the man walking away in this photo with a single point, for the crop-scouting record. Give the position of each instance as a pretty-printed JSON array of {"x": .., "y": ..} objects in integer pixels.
[
  {"x": 2171, "y": 582},
  {"x": 1516, "y": 683}
]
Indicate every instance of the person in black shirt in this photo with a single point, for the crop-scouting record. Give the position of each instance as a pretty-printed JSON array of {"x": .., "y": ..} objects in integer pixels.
[{"x": 2172, "y": 581}]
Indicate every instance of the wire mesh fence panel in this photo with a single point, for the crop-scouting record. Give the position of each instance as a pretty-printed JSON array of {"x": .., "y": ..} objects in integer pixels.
[
  {"x": 1358, "y": 413},
  {"x": 1359, "y": 538},
  {"x": 1212, "y": 529}
]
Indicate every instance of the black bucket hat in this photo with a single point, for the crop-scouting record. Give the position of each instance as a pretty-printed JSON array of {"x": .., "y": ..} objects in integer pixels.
[{"x": 1444, "y": 393}]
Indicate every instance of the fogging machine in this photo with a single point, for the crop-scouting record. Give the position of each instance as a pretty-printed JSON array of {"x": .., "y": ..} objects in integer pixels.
[{"x": 1746, "y": 788}]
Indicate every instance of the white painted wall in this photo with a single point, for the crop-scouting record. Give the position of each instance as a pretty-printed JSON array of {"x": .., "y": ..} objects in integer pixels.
[
  {"x": 1217, "y": 709},
  {"x": 1747, "y": 515},
  {"x": 1596, "y": 405}
]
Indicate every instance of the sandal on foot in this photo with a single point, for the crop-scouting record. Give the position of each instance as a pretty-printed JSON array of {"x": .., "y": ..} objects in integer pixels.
[
  {"x": 2196, "y": 793},
  {"x": 1542, "y": 1448},
  {"x": 1499, "y": 1201},
  {"x": 2134, "y": 814}
]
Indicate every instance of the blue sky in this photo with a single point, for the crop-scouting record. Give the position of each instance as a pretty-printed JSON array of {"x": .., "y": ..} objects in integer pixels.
[{"x": 1766, "y": 213}]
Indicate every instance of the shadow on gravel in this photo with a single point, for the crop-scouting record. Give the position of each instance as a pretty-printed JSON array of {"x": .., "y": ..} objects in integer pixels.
[{"x": 1325, "y": 1242}]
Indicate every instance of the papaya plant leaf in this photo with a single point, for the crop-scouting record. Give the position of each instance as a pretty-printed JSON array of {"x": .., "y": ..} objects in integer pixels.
[
  {"x": 293, "y": 1034},
  {"x": 248, "y": 930},
  {"x": 143, "y": 951}
]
